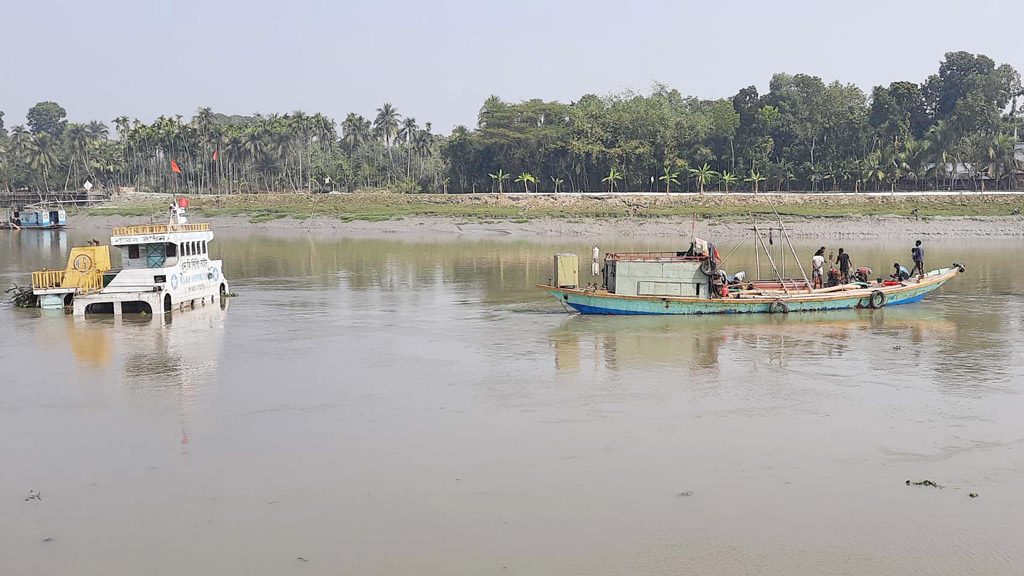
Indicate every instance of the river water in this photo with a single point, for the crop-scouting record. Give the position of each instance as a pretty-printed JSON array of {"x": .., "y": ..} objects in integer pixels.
[{"x": 414, "y": 406}]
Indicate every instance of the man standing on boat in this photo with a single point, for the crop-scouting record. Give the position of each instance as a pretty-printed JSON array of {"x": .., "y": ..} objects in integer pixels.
[
  {"x": 917, "y": 253},
  {"x": 817, "y": 267},
  {"x": 844, "y": 266}
]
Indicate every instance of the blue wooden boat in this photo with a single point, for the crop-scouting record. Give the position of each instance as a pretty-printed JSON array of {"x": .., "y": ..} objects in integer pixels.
[
  {"x": 30, "y": 218},
  {"x": 601, "y": 301},
  {"x": 691, "y": 282}
]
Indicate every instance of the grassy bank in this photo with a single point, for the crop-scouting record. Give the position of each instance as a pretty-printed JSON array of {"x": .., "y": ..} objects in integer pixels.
[{"x": 379, "y": 207}]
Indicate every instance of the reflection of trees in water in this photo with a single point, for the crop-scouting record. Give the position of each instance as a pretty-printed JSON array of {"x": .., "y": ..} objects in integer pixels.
[{"x": 503, "y": 269}]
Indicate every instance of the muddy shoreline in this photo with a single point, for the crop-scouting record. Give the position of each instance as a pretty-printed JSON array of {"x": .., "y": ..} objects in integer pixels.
[{"x": 821, "y": 227}]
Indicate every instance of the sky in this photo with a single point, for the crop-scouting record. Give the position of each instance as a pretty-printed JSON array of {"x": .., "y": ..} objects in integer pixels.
[{"x": 437, "y": 60}]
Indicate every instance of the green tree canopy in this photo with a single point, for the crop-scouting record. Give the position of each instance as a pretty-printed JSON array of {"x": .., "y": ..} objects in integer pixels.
[{"x": 48, "y": 117}]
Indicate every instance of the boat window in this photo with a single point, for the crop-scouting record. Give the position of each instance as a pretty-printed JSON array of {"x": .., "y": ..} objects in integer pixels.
[
  {"x": 156, "y": 255},
  {"x": 204, "y": 247},
  {"x": 133, "y": 251},
  {"x": 172, "y": 250}
]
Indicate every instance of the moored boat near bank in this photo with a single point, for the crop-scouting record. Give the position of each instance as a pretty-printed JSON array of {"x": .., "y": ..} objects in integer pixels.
[{"x": 34, "y": 218}]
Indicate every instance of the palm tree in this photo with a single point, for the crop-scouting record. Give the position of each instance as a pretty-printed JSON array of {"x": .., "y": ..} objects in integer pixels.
[
  {"x": 703, "y": 175},
  {"x": 755, "y": 178},
  {"x": 942, "y": 140},
  {"x": 1001, "y": 158},
  {"x": 525, "y": 178},
  {"x": 557, "y": 182},
  {"x": 871, "y": 169},
  {"x": 612, "y": 176},
  {"x": 728, "y": 179},
  {"x": 42, "y": 157},
  {"x": 669, "y": 177},
  {"x": 77, "y": 138},
  {"x": 500, "y": 177},
  {"x": 385, "y": 127},
  {"x": 355, "y": 131},
  {"x": 406, "y": 132}
]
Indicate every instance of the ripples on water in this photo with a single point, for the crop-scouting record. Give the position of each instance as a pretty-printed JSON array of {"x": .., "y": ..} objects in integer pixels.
[{"x": 416, "y": 406}]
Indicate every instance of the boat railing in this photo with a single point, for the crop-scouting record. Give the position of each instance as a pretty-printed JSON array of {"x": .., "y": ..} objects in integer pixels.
[
  {"x": 47, "y": 279},
  {"x": 87, "y": 282},
  {"x": 138, "y": 230},
  {"x": 677, "y": 256}
]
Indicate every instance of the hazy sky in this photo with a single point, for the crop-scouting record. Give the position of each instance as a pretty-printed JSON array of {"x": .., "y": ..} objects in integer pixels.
[{"x": 437, "y": 60}]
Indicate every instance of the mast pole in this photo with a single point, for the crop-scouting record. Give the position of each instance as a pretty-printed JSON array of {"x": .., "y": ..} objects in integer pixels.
[
  {"x": 785, "y": 234},
  {"x": 774, "y": 267},
  {"x": 757, "y": 253}
]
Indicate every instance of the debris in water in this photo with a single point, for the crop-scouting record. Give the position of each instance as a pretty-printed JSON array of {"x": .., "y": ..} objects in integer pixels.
[
  {"x": 47, "y": 539},
  {"x": 973, "y": 494},
  {"x": 301, "y": 558},
  {"x": 687, "y": 493},
  {"x": 34, "y": 495},
  {"x": 22, "y": 297},
  {"x": 924, "y": 483}
]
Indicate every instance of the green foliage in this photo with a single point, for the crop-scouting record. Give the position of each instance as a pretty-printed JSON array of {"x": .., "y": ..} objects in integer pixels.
[
  {"x": 47, "y": 117},
  {"x": 953, "y": 130}
]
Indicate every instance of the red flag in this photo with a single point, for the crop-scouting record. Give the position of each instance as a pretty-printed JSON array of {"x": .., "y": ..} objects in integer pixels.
[
  {"x": 215, "y": 155},
  {"x": 174, "y": 167}
]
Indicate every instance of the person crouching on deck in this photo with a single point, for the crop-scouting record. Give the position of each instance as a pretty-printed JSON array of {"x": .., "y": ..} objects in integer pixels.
[
  {"x": 900, "y": 273},
  {"x": 817, "y": 267}
]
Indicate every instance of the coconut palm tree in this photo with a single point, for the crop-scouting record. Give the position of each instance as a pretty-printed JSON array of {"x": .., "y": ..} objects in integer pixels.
[
  {"x": 703, "y": 175},
  {"x": 610, "y": 179},
  {"x": 669, "y": 177},
  {"x": 526, "y": 178},
  {"x": 385, "y": 127},
  {"x": 500, "y": 177},
  {"x": 942, "y": 140},
  {"x": 77, "y": 138},
  {"x": 755, "y": 178},
  {"x": 728, "y": 179},
  {"x": 355, "y": 131},
  {"x": 1001, "y": 158},
  {"x": 557, "y": 182},
  {"x": 42, "y": 157}
]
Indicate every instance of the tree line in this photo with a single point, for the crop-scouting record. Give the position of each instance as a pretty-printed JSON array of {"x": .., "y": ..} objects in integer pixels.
[{"x": 956, "y": 129}]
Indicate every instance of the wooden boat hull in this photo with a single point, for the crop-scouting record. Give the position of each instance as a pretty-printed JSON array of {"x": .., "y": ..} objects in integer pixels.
[{"x": 600, "y": 302}]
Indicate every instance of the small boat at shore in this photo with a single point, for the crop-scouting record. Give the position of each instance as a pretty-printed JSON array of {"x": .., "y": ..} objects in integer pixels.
[
  {"x": 163, "y": 267},
  {"x": 691, "y": 282},
  {"x": 34, "y": 218}
]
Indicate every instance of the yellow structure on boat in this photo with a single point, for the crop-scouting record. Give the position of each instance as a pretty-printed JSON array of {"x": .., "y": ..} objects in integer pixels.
[{"x": 83, "y": 275}]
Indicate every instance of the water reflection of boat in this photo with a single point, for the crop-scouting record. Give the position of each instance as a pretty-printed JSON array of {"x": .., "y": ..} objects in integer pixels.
[{"x": 642, "y": 341}]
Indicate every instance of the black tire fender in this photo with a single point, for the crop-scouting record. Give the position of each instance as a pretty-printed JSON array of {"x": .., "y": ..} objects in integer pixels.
[
  {"x": 707, "y": 267},
  {"x": 876, "y": 300},
  {"x": 778, "y": 307}
]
